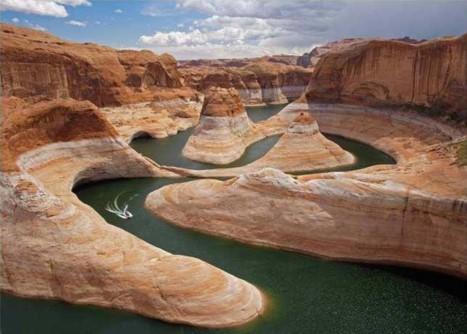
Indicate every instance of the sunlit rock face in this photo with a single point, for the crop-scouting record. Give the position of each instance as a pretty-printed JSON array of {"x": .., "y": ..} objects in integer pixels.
[
  {"x": 224, "y": 130},
  {"x": 38, "y": 65},
  {"x": 412, "y": 213},
  {"x": 54, "y": 246},
  {"x": 258, "y": 81},
  {"x": 431, "y": 74}
]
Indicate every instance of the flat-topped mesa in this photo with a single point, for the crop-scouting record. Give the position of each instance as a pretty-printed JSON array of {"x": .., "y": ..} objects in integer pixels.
[
  {"x": 67, "y": 251},
  {"x": 83, "y": 71},
  {"x": 224, "y": 130},
  {"x": 430, "y": 75}
]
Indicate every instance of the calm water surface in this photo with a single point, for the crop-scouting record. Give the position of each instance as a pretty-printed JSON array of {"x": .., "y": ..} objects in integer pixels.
[{"x": 308, "y": 295}]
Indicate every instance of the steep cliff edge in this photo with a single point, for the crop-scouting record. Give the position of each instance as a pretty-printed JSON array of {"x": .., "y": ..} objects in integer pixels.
[
  {"x": 54, "y": 246},
  {"x": 38, "y": 65},
  {"x": 431, "y": 74}
]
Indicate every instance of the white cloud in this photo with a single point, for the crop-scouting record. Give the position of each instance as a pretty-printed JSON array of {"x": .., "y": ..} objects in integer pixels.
[
  {"x": 77, "y": 23},
  {"x": 260, "y": 8},
  {"x": 245, "y": 27},
  {"x": 216, "y": 30},
  {"x": 118, "y": 11},
  {"x": 38, "y": 27},
  {"x": 41, "y": 7},
  {"x": 15, "y": 20}
]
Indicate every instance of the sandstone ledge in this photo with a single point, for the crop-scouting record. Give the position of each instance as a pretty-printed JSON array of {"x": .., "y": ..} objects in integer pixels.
[{"x": 413, "y": 213}]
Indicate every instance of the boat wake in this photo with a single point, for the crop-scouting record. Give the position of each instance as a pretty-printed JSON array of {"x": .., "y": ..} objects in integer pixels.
[{"x": 114, "y": 208}]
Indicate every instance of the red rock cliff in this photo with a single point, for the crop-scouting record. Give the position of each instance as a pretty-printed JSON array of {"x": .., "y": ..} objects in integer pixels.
[
  {"x": 378, "y": 72},
  {"x": 37, "y": 64}
]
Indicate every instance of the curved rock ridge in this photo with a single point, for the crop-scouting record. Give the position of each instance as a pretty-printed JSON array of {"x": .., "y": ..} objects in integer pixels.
[
  {"x": 258, "y": 81},
  {"x": 224, "y": 130},
  {"x": 413, "y": 213},
  {"x": 54, "y": 246},
  {"x": 431, "y": 74},
  {"x": 86, "y": 71}
]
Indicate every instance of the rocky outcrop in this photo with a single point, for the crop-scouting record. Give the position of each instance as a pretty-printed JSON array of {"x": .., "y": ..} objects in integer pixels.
[
  {"x": 413, "y": 213},
  {"x": 431, "y": 74},
  {"x": 301, "y": 148},
  {"x": 54, "y": 246},
  {"x": 224, "y": 130},
  {"x": 158, "y": 119},
  {"x": 311, "y": 58},
  {"x": 258, "y": 81},
  {"x": 38, "y": 65}
]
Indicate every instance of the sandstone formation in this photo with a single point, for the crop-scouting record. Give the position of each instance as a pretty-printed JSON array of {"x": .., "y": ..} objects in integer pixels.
[
  {"x": 413, "y": 213},
  {"x": 431, "y": 74},
  {"x": 141, "y": 91},
  {"x": 157, "y": 119},
  {"x": 301, "y": 148},
  {"x": 258, "y": 81},
  {"x": 38, "y": 65},
  {"x": 54, "y": 246},
  {"x": 224, "y": 130}
]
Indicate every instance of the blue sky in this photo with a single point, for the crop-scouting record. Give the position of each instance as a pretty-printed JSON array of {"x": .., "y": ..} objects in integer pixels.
[{"x": 234, "y": 28}]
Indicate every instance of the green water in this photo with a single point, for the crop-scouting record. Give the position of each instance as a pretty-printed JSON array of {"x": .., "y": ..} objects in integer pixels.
[{"x": 308, "y": 295}]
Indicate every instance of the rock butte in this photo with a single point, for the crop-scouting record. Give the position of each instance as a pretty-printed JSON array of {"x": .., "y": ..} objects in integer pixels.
[
  {"x": 224, "y": 130},
  {"x": 300, "y": 148},
  {"x": 413, "y": 213},
  {"x": 53, "y": 245}
]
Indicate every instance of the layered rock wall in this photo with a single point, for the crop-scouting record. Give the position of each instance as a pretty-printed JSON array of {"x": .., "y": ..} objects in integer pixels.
[
  {"x": 430, "y": 74},
  {"x": 224, "y": 130},
  {"x": 37, "y": 65},
  {"x": 257, "y": 81}
]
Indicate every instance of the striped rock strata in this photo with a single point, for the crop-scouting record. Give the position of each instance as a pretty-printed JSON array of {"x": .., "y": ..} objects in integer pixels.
[
  {"x": 431, "y": 75},
  {"x": 225, "y": 131},
  {"x": 54, "y": 246},
  {"x": 301, "y": 148},
  {"x": 412, "y": 213},
  {"x": 258, "y": 80}
]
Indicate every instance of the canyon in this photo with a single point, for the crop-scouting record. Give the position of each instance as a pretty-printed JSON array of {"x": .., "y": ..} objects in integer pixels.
[
  {"x": 258, "y": 81},
  {"x": 70, "y": 110}
]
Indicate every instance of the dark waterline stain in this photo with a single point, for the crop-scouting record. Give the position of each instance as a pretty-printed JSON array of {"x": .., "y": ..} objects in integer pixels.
[{"x": 308, "y": 294}]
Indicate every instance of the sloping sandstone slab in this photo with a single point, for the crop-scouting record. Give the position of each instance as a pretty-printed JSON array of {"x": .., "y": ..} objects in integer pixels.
[{"x": 54, "y": 246}]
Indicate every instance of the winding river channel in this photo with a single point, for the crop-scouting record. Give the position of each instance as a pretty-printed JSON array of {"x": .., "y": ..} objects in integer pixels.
[{"x": 306, "y": 294}]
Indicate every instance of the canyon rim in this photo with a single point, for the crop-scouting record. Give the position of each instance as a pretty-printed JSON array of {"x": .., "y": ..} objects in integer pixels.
[{"x": 237, "y": 169}]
